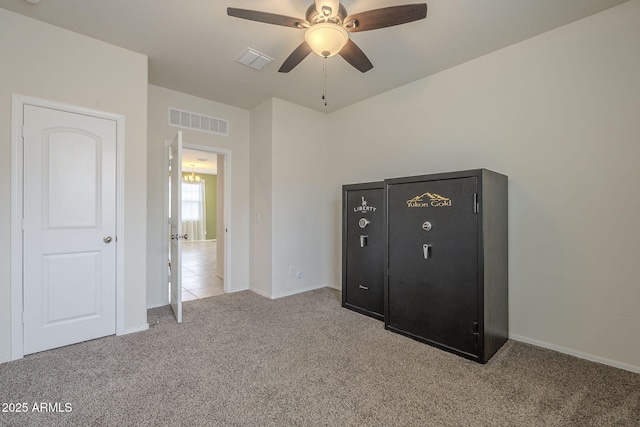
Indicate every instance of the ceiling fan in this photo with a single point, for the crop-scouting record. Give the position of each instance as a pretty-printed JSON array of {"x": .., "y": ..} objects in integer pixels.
[{"x": 327, "y": 25}]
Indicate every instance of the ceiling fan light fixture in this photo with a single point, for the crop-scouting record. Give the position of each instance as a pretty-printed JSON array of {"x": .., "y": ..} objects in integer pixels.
[
  {"x": 328, "y": 26},
  {"x": 326, "y": 39}
]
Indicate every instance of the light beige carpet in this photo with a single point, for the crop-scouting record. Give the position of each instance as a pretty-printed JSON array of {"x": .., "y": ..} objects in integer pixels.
[{"x": 243, "y": 360}]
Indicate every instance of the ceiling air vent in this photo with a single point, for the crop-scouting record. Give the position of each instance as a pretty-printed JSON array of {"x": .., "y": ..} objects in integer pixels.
[
  {"x": 254, "y": 59},
  {"x": 188, "y": 120}
]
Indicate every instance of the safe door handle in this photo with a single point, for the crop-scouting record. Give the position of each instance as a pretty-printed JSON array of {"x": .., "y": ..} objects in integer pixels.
[
  {"x": 426, "y": 250},
  {"x": 363, "y": 240}
]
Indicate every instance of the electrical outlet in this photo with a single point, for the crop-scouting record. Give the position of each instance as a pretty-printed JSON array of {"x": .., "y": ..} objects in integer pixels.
[{"x": 292, "y": 270}]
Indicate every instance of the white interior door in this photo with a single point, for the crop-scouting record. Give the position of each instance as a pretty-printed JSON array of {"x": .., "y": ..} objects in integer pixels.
[
  {"x": 69, "y": 279},
  {"x": 176, "y": 226}
]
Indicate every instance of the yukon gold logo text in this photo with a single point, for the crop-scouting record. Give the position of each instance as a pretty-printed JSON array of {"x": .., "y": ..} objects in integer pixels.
[{"x": 432, "y": 199}]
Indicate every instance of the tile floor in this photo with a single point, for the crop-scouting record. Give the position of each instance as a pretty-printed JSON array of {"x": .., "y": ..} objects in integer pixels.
[{"x": 199, "y": 278}]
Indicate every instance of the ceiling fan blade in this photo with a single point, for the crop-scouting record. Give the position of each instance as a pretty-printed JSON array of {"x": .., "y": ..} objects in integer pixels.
[
  {"x": 267, "y": 18},
  {"x": 356, "y": 57},
  {"x": 385, "y": 17},
  {"x": 295, "y": 58}
]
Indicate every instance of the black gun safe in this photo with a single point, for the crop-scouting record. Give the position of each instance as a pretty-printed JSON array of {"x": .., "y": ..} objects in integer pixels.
[
  {"x": 363, "y": 248},
  {"x": 446, "y": 281}
]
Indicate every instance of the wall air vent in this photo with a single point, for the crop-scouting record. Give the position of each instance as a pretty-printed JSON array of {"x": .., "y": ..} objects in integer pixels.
[{"x": 188, "y": 120}]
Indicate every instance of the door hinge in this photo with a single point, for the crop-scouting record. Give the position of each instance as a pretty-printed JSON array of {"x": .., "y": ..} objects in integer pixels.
[
  {"x": 476, "y": 328},
  {"x": 22, "y": 131},
  {"x": 476, "y": 203},
  {"x": 22, "y": 317},
  {"x": 22, "y": 224}
]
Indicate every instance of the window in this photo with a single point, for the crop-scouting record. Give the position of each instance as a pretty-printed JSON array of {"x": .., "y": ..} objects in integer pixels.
[{"x": 191, "y": 202}]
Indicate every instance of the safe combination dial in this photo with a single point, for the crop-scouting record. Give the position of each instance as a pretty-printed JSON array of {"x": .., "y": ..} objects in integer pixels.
[{"x": 363, "y": 222}]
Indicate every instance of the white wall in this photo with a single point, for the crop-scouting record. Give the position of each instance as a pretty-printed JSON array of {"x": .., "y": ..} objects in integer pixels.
[
  {"x": 47, "y": 62},
  {"x": 300, "y": 199},
  {"x": 237, "y": 142},
  {"x": 220, "y": 215},
  {"x": 289, "y": 199},
  {"x": 262, "y": 198},
  {"x": 559, "y": 114}
]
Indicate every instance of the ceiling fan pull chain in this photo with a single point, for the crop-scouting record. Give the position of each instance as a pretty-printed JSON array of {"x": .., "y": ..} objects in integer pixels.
[{"x": 324, "y": 81}]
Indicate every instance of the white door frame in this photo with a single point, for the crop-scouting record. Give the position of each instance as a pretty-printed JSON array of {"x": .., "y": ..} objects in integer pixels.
[
  {"x": 227, "y": 210},
  {"x": 17, "y": 170}
]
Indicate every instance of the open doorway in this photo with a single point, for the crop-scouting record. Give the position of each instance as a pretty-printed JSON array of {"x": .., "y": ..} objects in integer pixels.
[
  {"x": 200, "y": 276},
  {"x": 205, "y": 202}
]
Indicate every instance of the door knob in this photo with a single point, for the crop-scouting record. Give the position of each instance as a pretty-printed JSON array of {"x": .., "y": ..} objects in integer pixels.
[{"x": 107, "y": 239}]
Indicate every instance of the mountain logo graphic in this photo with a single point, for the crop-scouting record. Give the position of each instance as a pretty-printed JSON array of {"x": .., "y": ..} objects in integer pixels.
[{"x": 427, "y": 199}]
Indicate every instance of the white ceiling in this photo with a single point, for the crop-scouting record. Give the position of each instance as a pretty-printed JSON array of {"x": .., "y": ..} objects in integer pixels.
[
  {"x": 202, "y": 162},
  {"x": 192, "y": 44}
]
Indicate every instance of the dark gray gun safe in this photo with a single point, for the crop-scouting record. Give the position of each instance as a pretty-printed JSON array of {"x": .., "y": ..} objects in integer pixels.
[
  {"x": 363, "y": 242},
  {"x": 446, "y": 279}
]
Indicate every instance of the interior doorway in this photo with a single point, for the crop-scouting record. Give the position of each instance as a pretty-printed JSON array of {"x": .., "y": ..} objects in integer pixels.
[
  {"x": 200, "y": 275},
  {"x": 205, "y": 193}
]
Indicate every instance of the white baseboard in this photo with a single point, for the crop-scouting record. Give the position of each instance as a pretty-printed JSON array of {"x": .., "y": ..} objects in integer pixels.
[
  {"x": 128, "y": 331},
  {"x": 162, "y": 304},
  {"x": 338, "y": 288},
  {"x": 288, "y": 293},
  {"x": 135, "y": 329},
  {"x": 575, "y": 353},
  {"x": 298, "y": 291},
  {"x": 261, "y": 293}
]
